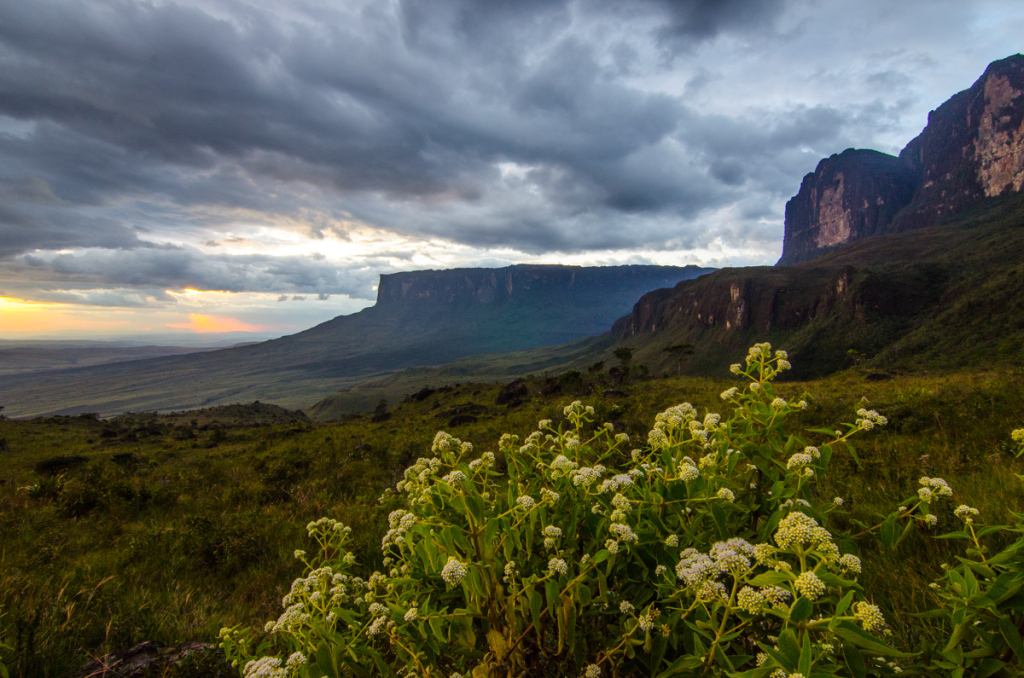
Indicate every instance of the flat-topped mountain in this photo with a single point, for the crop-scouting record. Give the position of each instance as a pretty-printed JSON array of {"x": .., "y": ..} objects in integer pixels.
[
  {"x": 971, "y": 149},
  {"x": 421, "y": 318}
]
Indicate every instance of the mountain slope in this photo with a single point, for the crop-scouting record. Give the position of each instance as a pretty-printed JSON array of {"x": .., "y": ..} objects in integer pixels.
[
  {"x": 932, "y": 299},
  {"x": 421, "y": 318},
  {"x": 942, "y": 297}
]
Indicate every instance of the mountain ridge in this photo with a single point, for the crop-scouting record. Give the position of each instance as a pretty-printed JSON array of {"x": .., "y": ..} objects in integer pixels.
[{"x": 546, "y": 305}]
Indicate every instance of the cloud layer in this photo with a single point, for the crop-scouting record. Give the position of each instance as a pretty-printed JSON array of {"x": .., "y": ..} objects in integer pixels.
[{"x": 219, "y": 144}]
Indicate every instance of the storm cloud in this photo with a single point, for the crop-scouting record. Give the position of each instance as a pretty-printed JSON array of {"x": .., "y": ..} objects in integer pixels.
[{"x": 138, "y": 139}]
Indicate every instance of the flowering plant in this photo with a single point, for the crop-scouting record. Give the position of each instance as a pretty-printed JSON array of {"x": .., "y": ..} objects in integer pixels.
[{"x": 703, "y": 552}]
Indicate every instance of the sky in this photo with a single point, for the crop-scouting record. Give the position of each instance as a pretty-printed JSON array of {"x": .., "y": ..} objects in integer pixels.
[{"x": 211, "y": 168}]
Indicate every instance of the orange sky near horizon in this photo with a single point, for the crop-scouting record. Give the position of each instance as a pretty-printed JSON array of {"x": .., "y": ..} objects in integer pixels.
[
  {"x": 18, "y": 316},
  {"x": 23, "y": 317},
  {"x": 207, "y": 324}
]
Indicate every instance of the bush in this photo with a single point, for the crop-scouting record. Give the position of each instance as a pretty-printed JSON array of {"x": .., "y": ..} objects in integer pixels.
[{"x": 704, "y": 552}]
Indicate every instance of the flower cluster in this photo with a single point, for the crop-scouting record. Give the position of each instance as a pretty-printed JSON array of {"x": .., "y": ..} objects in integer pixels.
[
  {"x": 966, "y": 513},
  {"x": 933, "y": 488},
  {"x": 454, "y": 571},
  {"x": 868, "y": 419}
]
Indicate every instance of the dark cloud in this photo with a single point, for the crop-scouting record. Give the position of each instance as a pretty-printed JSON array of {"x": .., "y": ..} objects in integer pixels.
[
  {"x": 179, "y": 268},
  {"x": 692, "y": 22},
  {"x": 536, "y": 126}
]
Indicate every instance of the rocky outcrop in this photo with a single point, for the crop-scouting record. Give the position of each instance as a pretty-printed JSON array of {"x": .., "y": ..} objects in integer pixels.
[
  {"x": 971, "y": 149},
  {"x": 850, "y": 196}
]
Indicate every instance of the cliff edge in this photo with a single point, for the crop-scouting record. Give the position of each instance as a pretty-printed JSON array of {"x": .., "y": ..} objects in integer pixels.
[{"x": 971, "y": 149}]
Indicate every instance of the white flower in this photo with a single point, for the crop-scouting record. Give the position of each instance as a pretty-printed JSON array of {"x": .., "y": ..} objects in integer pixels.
[
  {"x": 938, "y": 487},
  {"x": 299, "y": 554},
  {"x": 850, "y": 562},
  {"x": 799, "y": 460},
  {"x": 623, "y": 533},
  {"x": 726, "y": 494},
  {"x": 454, "y": 572},
  {"x": 869, "y": 616},
  {"x": 558, "y": 565},
  {"x": 688, "y": 472},
  {"x": 809, "y": 585},
  {"x": 412, "y": 615},
  {"x": 735, "y": 368},
  {"x": 966, "y": 513},
  {"x": 672, "y": 540},
  {"x": 838, "y": 501},
  {"x": 525, "y": 501},
  {"x": 264, "y": 667},
  {"x": 592, "y": 671},
  {"x": 625, "y": 607},
  {"x": 778, "y": 404}
]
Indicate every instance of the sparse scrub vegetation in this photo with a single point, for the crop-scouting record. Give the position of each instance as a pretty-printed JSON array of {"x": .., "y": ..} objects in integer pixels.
[
  {"x": 714, "y": 548},
  {"x": 169, "y": 530}
]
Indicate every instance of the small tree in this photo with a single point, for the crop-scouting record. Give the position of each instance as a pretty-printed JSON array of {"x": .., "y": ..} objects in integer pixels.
[{"x": 680, "y": 352}]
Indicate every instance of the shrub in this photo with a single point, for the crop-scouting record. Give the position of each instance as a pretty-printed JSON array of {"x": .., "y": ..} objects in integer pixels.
[{"x": 706, "y": 551}]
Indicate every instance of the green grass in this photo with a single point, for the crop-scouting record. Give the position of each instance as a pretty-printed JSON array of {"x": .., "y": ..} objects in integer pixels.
[{"x": 167, "y": 530}]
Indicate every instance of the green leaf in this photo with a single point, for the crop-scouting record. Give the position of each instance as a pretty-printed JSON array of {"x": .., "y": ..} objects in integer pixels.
[
  {"x": 986, "y": 667},
  {"x": 804, "y": 666},
  {"x": 770, "y": 578},
  {"x": 801, "y": 609},
  {"x": 887, "y": 534},
  {"x": 601, "y": 556},
  {"x": 1012, "y": 637},
  {"x": 844, "y": 604},
  {"x": 684, "y": 664},
  {"x": 583, "y": 594},
  {"x": 435, "y": 626},
  {"x": 906, "y": 532},
  {"x": 854, "y": 661},
  {"x": 536, "y": 606},
  {"x": 719, "y": 515},
  {"x": 551, "y": 593},
  {"x": 325, "y": 660},
  {"x": 790, "y": 647},
  {"x": 861, "y": 638}
]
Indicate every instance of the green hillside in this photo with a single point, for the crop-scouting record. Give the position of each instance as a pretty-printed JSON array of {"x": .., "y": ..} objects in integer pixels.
[{"x": 942, "y": 298}]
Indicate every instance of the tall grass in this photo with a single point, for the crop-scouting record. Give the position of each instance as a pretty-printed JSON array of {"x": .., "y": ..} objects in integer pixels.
[{"x": 168, "y": 532}]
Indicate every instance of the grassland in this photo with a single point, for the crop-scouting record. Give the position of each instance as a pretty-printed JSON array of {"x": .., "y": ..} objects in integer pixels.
[{"x": 166, "y": 528}]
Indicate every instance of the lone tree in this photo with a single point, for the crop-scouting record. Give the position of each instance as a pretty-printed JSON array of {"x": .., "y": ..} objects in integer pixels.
[{"x": 680, "y": 352}]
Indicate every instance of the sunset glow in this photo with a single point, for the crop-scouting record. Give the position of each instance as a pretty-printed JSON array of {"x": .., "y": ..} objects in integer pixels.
[
  {"x": 204, "y": 324},
  {"x": 24, "y": 317}
]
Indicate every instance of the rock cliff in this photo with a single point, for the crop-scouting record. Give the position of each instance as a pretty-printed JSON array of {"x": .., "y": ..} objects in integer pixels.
[
  {"x": 971, "y": 149},
  {"x": 852, "y": 195}
]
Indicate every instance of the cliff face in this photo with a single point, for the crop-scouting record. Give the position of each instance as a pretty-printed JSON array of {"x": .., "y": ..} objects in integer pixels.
[
  {"x": 971, "y": 149},
  {"x": 932, "y": 298},
  {"x": 526, "y": 285},
  {"x": 852, "y": 195}
]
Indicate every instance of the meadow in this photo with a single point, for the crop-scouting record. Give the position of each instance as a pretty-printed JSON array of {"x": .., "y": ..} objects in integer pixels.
[{"x": 168, "y": 528}]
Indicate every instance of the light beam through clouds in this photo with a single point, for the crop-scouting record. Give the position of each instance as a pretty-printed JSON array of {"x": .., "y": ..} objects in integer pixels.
[{"x": 296, "y": 150}]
